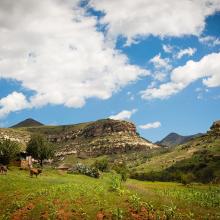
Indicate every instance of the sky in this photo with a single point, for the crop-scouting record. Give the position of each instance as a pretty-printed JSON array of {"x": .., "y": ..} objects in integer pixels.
[{"x": 155, "y": 63}]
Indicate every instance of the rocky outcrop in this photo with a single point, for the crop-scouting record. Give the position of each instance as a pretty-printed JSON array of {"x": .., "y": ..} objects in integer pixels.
[
  {"x": 101, "y": 137},
  {"x": 104, "y": 136},
  {"x": 215, "y": 128},
  {"x": 108, "y": 126}
]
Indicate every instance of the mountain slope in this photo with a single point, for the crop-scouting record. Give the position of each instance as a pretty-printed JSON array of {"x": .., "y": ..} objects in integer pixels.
[
  {"x": 174, "y": 139},
  {"x": 199, "y": 157},
  {"x": 29, "y": 122},
  {"x": 90, "y": 139}
]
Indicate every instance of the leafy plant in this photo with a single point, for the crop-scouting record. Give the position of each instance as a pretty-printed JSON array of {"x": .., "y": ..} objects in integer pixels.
[
  {"x": 135, "y": 202},
  {"x": 118, "y": 214},
  {"x": 115, "y": 183}
]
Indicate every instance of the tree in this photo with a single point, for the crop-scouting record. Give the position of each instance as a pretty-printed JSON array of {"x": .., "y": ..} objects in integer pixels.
[
  {"x": 39, "y": 148},
  {"x": 8, "y": 151}
]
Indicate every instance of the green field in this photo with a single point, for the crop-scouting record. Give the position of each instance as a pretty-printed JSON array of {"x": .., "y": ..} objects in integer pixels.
[{"x": 57, "y": 195}]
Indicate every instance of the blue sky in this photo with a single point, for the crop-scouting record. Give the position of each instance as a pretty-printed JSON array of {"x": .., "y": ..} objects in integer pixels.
[{"x": 158, "y": 65}]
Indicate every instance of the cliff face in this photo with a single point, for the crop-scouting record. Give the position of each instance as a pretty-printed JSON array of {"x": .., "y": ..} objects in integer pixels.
[
  {"x": 215, "y": 128},
  {"x": 100, "y": 137}
]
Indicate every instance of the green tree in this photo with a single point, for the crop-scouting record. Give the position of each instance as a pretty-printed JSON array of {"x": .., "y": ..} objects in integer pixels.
[
  {"x": 39, "y": 148},
  {"x": 8, "y": 151}
]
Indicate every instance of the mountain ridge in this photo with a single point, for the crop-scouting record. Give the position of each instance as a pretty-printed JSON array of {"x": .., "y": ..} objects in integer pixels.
[{"x": 173, "y": 139}]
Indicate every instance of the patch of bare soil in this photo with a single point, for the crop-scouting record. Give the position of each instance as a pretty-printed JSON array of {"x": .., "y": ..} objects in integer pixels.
[{"x": 22, "y": 212}]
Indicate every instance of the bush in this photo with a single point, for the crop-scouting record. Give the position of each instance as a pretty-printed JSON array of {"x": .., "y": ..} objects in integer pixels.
[
  {"x": 121, "y": 168},
  {"x": 187, "y": 178},
  {"x": 102, "y": 165},
  {"x": 8, "y": 151},
  {"x": 86, "y": 170},
  {"x": 206, "y": 175}
]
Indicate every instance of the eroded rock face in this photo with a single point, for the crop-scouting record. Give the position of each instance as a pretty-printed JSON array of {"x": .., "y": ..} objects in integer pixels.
[
  {"x": 96, "y": 129},
  {"x": 101, "y": 137},
  {"x": 108, "y": 126},
  {"x": 215, "y": 128}
]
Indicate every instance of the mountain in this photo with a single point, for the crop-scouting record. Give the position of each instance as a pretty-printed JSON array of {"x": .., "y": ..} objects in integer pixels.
[
  {"x": 198, "y": 159},
  {"x": 29, "y": 122},
  {"x": 90, "y": 139},
  {"x": 174, "y": 139}
]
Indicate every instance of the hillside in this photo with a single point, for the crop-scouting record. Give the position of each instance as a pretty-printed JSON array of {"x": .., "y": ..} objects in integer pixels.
[
  {"x": 29, "y": 122},
  {"x": 174, "y": 139},
  {"x": 91, "y": 139},
  {"x": 199, "y": 157}
]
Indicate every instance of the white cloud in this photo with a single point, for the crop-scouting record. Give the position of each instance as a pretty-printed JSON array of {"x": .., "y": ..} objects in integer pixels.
[
  {"x": 155, "y": 124},
  {"x": 133, "y": 19},
  {"x": 188, "y": 51},
  {"x": 159, "y": 76},
  {"x": 210, "y": 41},
  {"x": 167, "y": 48},
  {"x": 13, "y": 102},
  {"x": 53, "y": 49},
  {"x": 207, "y": 69},
  {"x": 123, "y": 115},
  {"x": 160, "y": 63}
]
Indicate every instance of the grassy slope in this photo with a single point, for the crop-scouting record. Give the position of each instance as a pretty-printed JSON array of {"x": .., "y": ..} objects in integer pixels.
[
  {"x": 55, "y": 195},
  {"x": 183, "y": 154},
  {"x": 46, "y": 129}
]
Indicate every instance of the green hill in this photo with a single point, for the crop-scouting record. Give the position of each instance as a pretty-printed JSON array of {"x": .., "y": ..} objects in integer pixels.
[{"x": 199, "y": 158}]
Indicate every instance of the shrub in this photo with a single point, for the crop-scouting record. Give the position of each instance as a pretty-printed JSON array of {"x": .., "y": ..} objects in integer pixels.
[
  {"x": 121, "y": 168},
  {"x": 8, "y": 151},
  {"x": 206, "y": 175},
  {"x": 102, "y": 165},
  {"x": 86, "y": 170},
  {"x": 187, "y": 178}
]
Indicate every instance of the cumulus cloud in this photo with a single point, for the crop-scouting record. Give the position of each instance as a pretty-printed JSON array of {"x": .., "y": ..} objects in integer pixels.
[
  {"x": 207, "y": 69},
  {"x": 155, "y": 124},
  {"x": 13, "y": 102},
  {"x": 54, "y": 50},
  {"x": 160, "y": 63},
  {"x": 132, "y": 19},
  {"x": 123, "y": 115},
  {"x": 211, "y": 41},
  {"x": 188, "y": 51}
]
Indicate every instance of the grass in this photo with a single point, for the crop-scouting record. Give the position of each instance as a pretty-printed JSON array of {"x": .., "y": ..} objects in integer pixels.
[{"x": 57, "y": 195}]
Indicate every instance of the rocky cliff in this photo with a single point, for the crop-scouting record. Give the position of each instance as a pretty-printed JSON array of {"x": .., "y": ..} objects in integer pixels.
[
  {"x": 101, "y": 137},
  {"x": 104, "y": 136},
  {"x": 215, "y": 128}
]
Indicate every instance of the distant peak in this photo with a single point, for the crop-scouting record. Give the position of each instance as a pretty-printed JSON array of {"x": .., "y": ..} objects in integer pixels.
[{"x": 29, "y": 122}]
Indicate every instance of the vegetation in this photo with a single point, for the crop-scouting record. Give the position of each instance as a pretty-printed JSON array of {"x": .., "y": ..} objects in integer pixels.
[
  {"x": 102, "y": 165},
  {"x": 8, "y": 151},
  {"x": 56, "y": 195},
  {"x": 39, "y": 148},
  {"x": 80, "y": 168}
]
